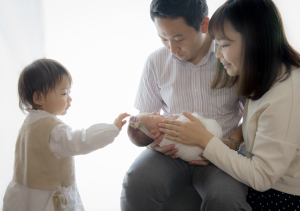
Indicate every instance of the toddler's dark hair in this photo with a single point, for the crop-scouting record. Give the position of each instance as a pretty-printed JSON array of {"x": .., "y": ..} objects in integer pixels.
[
  {"x": 42, "y": 75},
  {"x": 138, "y": 137}
]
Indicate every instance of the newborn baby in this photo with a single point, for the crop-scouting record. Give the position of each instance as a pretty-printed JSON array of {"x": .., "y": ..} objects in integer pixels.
[{"x": 143, "y": 129}]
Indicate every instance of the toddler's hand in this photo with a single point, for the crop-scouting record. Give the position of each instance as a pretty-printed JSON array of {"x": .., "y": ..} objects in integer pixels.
[{"x": 119, "y": 122}]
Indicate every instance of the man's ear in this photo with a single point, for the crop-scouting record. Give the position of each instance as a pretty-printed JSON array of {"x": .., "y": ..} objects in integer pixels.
[
  {"x": 154, "y": 134},
  {"x": 204, "y": 25},
  {"x": 38, "y": 98}
]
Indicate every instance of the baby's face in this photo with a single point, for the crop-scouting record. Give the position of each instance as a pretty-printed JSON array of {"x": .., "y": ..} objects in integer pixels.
[{"x": 150, "y": 120}]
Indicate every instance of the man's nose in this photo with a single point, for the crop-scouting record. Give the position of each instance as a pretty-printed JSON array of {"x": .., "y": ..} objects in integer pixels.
[{"x": 173, "y": 47}]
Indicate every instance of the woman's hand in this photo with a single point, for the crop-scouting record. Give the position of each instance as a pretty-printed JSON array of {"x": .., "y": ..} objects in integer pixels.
[
  {"x": 190, "y": 133},
  {"x": 167, "y": 150}
]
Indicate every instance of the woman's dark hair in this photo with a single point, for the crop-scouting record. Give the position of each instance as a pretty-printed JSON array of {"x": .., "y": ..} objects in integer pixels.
[
  {"x": 42, "y": 75},
  {"x": 265, "y": 46},
  {"x": 192, "y": 11},
  {"x": 138, "y": 137}
]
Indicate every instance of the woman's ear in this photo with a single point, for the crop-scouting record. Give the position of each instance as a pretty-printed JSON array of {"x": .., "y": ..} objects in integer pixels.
[
  {"x": 38, "y": 98},
  {"x": 154, "y": 134},
  {"x": 204, "y": 25}
]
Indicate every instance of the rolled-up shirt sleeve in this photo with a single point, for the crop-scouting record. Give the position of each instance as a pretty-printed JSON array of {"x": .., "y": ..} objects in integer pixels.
[{"x": 64, "y": 141}]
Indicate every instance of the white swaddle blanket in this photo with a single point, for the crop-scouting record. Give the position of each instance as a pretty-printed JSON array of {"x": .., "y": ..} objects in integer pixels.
[{"x": 187, "y": 152}]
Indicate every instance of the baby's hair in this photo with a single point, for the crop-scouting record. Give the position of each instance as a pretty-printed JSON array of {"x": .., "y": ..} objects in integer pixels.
[
  {"x": 138, "y": 137},
  {"x": 42, "y": 75}
]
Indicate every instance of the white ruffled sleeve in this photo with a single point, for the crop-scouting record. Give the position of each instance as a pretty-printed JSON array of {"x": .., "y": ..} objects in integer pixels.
[{"x": 67, "y": 142}]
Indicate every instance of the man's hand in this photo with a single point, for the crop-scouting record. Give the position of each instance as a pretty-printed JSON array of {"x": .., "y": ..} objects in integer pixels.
[
  {"x": 200, "y": 162},
  {"x": 167, "y": 150},
  {"x": 119, "y": 120}
]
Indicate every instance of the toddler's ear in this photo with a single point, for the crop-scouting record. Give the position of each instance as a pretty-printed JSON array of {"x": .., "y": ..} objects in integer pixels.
[
  {"x": 38, "y": 98},
  {"x": 154, "y": 134}
]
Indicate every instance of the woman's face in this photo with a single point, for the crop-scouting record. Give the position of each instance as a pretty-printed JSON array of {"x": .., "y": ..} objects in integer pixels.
[{"x": 229, "y": 51}]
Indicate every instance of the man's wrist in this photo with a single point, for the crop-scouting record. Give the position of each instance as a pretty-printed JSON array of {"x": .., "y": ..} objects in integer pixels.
[{"x": 236, "y": 143}]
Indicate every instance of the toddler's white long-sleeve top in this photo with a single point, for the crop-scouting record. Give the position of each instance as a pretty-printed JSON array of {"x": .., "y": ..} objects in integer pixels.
[{"x": 63, "y": 142}]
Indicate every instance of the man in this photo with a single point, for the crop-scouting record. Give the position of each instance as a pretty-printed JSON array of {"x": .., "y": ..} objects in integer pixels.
[{"x": 178, "y": 77}]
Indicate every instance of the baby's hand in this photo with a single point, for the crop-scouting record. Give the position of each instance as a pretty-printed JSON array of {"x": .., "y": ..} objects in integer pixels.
[{"x": 119, "y": 121}]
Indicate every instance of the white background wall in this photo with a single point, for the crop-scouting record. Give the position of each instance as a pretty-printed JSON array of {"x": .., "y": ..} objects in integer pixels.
[
  {"x": 104, "y": 44},
  {"x": 21, "y": 42}
]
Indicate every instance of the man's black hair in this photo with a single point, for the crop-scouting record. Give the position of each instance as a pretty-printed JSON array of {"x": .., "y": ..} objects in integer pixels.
[{"x": 192, "y": 11}]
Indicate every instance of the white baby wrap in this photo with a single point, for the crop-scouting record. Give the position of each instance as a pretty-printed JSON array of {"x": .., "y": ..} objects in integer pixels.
[{"x": 187, "y": 152}]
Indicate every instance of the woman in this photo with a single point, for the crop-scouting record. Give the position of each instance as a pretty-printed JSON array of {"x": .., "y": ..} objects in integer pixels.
[{"x": 256, "y": 56}]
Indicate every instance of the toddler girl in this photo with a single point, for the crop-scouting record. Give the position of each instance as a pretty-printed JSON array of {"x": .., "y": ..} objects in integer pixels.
[
  {"x": 143, "y": 129},
  {"x": 44, "y": 174}
]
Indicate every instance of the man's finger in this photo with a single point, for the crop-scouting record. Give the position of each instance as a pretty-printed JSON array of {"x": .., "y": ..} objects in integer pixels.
[
  {"x": 201, "y": 155},
  {"x": 199, "y": 162},
  {"x": 171, "y": 152},
  {"x": 174, "y": 156},
  {"x": 166, "y": 148},
  {"x": 157, "y": 140}
]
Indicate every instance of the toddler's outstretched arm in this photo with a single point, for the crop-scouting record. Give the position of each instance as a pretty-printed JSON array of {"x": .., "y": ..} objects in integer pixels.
[{"x": 64, "y": 141}]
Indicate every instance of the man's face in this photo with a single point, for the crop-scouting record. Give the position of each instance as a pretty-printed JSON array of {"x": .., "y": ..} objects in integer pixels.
[{"x": 182, "y": 40}]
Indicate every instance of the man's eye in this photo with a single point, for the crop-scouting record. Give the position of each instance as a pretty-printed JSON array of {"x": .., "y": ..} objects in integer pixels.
[
  {"x": 224, "y": 46},
  {"x": 64, "y": 94},
  {"x": 179, "y": 40}
]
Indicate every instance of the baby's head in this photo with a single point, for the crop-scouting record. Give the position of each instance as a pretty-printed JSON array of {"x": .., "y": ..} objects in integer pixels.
[
  {"x": 143, "y": 128},
  {"x": 45, "y": 85}
]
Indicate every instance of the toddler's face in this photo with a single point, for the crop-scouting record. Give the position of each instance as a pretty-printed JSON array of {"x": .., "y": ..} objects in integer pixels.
[
  {"x": 150, "y": 120},
  {"x": 58, "y": 100}
]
